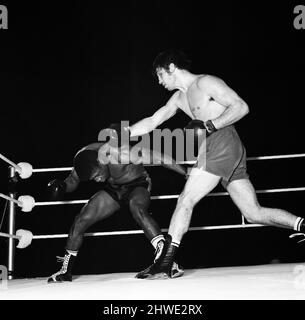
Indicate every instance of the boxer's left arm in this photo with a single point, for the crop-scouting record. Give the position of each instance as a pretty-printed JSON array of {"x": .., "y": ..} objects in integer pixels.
[
  {"x": 57, "y": 188},
  {"x": 72, "y": 181},
  {"x": 235, "y": 107}
]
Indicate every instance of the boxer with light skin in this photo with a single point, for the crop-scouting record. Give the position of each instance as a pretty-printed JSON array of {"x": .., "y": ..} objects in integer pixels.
[
  {"x": 122, "y": 184},
  {"x": 215, "y": 107}
]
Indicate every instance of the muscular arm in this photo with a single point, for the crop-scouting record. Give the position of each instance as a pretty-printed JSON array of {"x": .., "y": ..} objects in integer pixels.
[
  {"x": 148, "y": 124},
  {"x": 148, "y": 156},
  {"x": 169, "y": 163},
  {"x": 235, "y": 107},
  {"x": 72, "y": 181}
]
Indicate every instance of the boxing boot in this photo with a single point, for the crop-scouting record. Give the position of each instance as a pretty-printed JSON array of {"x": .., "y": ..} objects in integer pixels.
[
  {"x": 177, "y": 271},
  {"x": 164, "y": 266},
  {"x": 64, "y": 274}
]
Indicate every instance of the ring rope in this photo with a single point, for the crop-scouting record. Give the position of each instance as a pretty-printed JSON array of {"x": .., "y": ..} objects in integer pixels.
[
  {"x": 128, "y": 232},
  {"x": 242, "y": 225},
  {"x": 275, "y": 157},
  {"x": 52, "y": 169},
  {"x": 10, "y": 162},
  {"x": 4, "y": 196},
  {"x": 174, "y": 196},
  {"x": 51, "y": 203},
  {"x": 283, "y": 156},
  {"x": 214, "y": 194}
]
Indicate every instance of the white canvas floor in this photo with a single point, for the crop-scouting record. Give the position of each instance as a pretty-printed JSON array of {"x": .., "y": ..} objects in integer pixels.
[{"x": 262, "y": 282}]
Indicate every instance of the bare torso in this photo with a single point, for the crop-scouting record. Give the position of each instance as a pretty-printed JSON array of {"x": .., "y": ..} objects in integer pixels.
[
  {"x": 125, "y": 173},
  {"x": 122, "y": 170},
  {"x": 197, "y": 103}
]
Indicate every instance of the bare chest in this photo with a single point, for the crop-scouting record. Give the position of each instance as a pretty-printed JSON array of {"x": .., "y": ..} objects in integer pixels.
[
  {"x": 199, "y": 105},
  {"x": 196, "y": 104}
]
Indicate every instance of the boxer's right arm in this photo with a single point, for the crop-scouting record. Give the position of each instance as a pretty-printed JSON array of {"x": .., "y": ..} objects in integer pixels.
[{"x": 146, "y": 125}]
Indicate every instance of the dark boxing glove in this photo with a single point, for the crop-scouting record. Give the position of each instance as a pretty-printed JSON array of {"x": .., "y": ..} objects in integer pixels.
[
  {"x": 56, "y": 189},
  {"x": 201, "y": 127},
  {"x": 201, "y": 131}
]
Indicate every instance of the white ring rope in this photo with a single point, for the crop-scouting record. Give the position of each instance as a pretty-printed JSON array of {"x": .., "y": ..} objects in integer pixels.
[
  {"x": 54, "y": 203},
  {"x": 214, "y": 194},
  {"x": 52, "y": 169},
  {"x": 9, "y": 162},
  {"x": 283, "y": 156},
  {"x": 128, "y": 232},
  {"x": 174, "y": 196},
  {"x": 276, "y": 157},
  {"x": 24, "y": 169}
]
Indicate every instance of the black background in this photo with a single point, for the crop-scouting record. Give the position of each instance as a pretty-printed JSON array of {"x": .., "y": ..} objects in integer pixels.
[{"x": 69, "y": 69}]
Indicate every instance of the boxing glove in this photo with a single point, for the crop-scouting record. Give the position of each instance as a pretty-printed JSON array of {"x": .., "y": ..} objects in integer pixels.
[
  {"x": 56, "y": 189},
  {"x": 201, "y": 131},
  {"x": 201, "y": 127}
]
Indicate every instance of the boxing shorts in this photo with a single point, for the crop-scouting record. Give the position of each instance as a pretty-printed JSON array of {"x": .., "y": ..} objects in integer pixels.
[
  {"x": 223, "y": 154},
  {"x": 121, "y": 192}
]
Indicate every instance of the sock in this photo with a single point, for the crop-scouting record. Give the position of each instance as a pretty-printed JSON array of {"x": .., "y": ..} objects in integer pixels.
[
  {"x": 299, "y": 224},
  {"x": 154, "y": 241},
  {"x": 302, "y": 226},
  {"x": 72, "y": 252},
  {"x": 175, "y": 242}
]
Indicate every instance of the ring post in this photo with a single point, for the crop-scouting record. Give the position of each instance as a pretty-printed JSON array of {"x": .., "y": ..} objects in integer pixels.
[
  {"x": 243, "y": 222},
  {"x": 11, "y": 222}
]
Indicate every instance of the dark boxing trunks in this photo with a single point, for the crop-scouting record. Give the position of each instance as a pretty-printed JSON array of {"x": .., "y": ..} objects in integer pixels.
[
  {"x": 120, "y": 192},
  {"x": 224, "y": 155}
]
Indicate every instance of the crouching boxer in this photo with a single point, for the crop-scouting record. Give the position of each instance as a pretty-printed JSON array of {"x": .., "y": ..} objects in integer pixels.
[{"x": 123, "y": 184}]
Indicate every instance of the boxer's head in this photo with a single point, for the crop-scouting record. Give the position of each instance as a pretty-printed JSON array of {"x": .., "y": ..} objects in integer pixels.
[
  {"x": 171, "y": 56},
  {"x": 166, "y": 64}
]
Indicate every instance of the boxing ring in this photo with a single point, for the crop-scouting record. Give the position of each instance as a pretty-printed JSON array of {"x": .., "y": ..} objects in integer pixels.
[{"x": 271, "y": 281}]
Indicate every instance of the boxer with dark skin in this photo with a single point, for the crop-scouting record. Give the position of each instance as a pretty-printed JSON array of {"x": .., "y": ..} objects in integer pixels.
[
  {"x": 122, "y": 184},
  {"x": 214, "y": 107}
]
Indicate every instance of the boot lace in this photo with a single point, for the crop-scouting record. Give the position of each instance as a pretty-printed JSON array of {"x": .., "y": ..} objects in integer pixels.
[
  {"x": 65, "y": 261},
  {"x": 158, "y": 250}
]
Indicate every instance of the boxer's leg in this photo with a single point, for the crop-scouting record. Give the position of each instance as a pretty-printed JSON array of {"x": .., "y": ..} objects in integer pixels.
[
  {"x": 99, "y": 207},
  {"x": 244, "y": 196},
  {"x": 198, "y": 185},
  {"x": 139, "y": 203}
]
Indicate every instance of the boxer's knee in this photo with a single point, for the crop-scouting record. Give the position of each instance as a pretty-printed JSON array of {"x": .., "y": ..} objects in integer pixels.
[
  {"x": 186, "y": 202},
  {"x": 254, "y": 214}
]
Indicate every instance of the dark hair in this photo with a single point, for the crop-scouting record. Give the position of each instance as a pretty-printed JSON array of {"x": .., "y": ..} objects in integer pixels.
[
  {"x": 84, "y": 163},
  {"x": 175, "y": 56}
]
